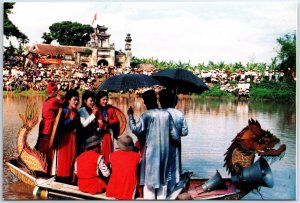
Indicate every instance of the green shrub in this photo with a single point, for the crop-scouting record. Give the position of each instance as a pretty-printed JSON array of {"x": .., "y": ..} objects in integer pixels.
[
  {"x": 87, "y": 51},
  {"x": 272, "y": 90},
  {"x": 215, "y": 91}
]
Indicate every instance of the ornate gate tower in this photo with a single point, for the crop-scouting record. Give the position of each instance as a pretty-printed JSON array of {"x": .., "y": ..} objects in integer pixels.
[
  {"x": 104, "y": 53},
  {"x": 128, "y": 50}
]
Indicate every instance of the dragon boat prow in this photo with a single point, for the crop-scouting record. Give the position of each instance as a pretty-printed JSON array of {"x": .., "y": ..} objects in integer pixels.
[{"x": 20, "y": 172}]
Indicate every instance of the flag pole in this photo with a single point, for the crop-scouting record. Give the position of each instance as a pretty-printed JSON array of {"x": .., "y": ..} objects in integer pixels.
[{"x": 94, "y": 19}]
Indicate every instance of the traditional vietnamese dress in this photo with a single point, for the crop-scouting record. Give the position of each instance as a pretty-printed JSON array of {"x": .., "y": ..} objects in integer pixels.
[{"x": 106, "y": 131}]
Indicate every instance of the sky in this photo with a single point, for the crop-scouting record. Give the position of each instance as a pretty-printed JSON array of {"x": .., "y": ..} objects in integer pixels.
[{"x": 195, "y": 32}]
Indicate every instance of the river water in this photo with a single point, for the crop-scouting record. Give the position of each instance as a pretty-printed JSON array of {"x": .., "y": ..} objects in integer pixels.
[{"x": 212, "y": 126}]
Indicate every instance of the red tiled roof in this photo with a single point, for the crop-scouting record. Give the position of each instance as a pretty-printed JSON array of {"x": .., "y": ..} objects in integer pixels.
[{"x": 47, "y": 49}]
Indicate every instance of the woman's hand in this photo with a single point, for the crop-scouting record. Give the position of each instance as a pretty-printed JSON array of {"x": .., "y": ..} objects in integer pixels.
[{"x": 95, "y": 110}]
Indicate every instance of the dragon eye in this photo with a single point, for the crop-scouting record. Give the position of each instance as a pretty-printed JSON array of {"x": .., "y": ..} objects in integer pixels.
[{"x": 260, "y": 141}]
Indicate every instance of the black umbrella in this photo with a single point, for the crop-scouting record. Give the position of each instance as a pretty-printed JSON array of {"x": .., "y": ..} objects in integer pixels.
[
  {"x": 180, "y": 80},
  {"x": 125, "y": 82}
]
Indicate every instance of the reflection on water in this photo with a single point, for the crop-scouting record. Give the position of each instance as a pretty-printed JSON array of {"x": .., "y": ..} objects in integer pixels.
[{"x": 212, "y": 126}]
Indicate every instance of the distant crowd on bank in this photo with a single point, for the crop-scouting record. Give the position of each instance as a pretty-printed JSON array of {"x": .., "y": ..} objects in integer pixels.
[{"x": 83, "y": 78}]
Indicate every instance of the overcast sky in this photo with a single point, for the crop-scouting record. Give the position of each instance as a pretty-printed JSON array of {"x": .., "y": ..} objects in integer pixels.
[{"x": 186, "y": 31}]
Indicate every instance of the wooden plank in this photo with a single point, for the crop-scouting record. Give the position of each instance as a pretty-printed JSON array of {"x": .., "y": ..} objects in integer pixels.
[
  {"x": 69, "y": 190},
  {"x": 21, "y": 175}
]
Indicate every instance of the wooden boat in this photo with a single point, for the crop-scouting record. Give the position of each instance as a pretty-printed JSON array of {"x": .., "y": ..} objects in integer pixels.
[
  {"x": 187, "y": 188},
  {"x": 31, "y": 160}
]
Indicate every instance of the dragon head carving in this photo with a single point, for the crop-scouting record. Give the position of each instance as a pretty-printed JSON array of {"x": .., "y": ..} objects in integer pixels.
[{"x": 251, "y": 141}]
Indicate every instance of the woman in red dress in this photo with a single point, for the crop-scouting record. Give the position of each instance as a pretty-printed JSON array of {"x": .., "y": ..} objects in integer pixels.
[
  {"x": 107, "y": 121},
  {"x": 50, "y": 109},
  {"x": 124, "y": 162},
  {"x": 65, "y": 140}
]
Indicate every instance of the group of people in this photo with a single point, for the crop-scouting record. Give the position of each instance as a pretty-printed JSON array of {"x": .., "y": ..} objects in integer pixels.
[
  {"x": 159, "y": 132},
  {"x": 79, "y": 147}
]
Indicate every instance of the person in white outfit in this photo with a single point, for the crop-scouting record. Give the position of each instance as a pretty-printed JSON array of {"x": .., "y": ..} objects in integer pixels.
[
  {"x": 87, "y": 113},
  {"x": 168, "y": 100}
]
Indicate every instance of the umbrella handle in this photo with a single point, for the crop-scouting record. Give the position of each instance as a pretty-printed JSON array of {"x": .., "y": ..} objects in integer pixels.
[{"x": 175, "y": 96}]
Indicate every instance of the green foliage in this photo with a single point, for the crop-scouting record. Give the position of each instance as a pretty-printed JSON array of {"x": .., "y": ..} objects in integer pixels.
[
  {"x": 87, "y": 51},
  {"x": 273, "y": 65},
  {"x": 19, "y": 49},
  {"x": 232, "y": 67},
  {"x": 25, "y": 93},
  {"x": 287, "y": 52},
  {"x": 47, "y": 38},
  {"x": 10, "y": 30},
  {"x": 9, "y": 51},
  {"x": 215, "y": 91},
  {"x": 276, "y": 91},
  {"x": 68, "y": 33}
]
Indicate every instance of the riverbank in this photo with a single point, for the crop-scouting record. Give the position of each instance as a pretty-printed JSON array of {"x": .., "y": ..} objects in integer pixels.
[{"x": 265, "y": 91}]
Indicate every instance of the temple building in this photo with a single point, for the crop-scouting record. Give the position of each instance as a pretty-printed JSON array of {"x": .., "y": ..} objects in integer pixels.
[{"x": 98, "y": 52}]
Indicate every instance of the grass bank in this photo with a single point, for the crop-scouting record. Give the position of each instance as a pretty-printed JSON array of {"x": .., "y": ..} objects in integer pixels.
[
  {"x": 25, "y": 93},
  {"x": 274, "y": 91},
  {"x": 266, "y": 90},
  {"x": 216, "y": 92}
]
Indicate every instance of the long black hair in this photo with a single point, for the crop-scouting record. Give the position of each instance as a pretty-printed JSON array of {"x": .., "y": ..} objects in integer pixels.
[
  {"x": 85, "y": 95},
  {"x": 71, "y": 93},
  {"x": 100, "y": 95}
]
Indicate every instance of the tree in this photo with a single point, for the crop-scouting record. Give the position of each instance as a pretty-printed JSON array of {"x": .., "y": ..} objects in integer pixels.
[
  {"x": 287, "y": 52},
  {"x": 9, "y": 51},
  {"x": 10, "y": 30},
  {"x": 68, "y": 33}
]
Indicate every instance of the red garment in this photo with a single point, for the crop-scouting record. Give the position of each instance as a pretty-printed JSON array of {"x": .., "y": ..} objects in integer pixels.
[
  {"x": 66, "y": 154},
  {"x": 107, "y": 147},
  {"x": 106, "y": 144},
  {"x": 49, "y": 113},
  {"x": 43, "y": 147},
  {"x": 66, "y": 149},
  {"x": 87, "y": 167},
  {"x": 123, "y": 180}
]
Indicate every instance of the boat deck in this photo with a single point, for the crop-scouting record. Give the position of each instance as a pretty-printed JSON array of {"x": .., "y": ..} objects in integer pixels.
[
  {"x": 186, "y": 189},
  {"x": 58, "y": 189}
]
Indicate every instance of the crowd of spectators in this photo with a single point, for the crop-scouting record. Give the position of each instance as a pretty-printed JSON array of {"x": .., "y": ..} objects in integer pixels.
[
  {"x": 36, "y": 77},
  {"x": 238, "y": 82},
  {"x": 66, "y": 76}
]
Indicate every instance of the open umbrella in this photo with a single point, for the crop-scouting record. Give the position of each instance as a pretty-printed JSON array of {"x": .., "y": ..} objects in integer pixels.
[
  {"x": 180, "y": 80},
  {"x": 125, "y": 82}
]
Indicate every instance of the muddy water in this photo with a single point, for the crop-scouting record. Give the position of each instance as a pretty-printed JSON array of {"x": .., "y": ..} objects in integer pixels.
[{"x": 212, "y": 126}]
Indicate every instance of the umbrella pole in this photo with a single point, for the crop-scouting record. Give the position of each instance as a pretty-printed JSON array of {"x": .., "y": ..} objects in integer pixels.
[
  {"x": 128, "y": 102},
  {"x": 175, "y": 96}
]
